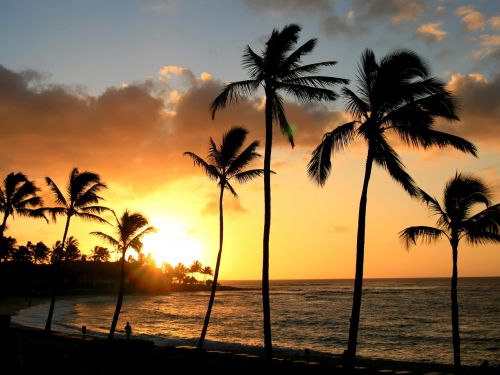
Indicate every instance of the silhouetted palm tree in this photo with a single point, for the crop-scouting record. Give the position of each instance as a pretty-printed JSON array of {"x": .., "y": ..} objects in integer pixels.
[
  {"x": 40, "y": 252},
  {"x": 456, "y": 221},
  {"x": 100, "y": 254},
  {"x": 72, "y": 252},
  {"x": 225, "y": 163},
  {"x": 396, "y": 95},
  {"x": 81, "y": 202},
  {"x": 18, "y": 196},
  {"x": 279, "y": 71},
  {"x": 129, "y": 229}
]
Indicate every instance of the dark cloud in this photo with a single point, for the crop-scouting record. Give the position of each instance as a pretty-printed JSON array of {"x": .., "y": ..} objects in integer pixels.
[{"x": 479, "y": 100}]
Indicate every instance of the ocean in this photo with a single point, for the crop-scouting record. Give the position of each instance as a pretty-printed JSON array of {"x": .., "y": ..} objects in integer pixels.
[{"x": 401, "y": 319}]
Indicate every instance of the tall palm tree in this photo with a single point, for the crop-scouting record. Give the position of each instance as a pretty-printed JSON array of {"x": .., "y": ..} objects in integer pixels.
[
  {"x": 81, "y": 202},
  {"x": 18, "y": 196},
  {"x": 279, "y": 71},
  {"x": 394, "y": 96},
  {"x": 225, "y": 163},
  {"x": 129, "y": 229},
  {"x": 456, "y": 221}
]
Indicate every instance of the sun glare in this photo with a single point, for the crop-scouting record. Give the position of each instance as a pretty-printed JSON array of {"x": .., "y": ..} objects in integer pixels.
[{"x": 173, "y": 244}]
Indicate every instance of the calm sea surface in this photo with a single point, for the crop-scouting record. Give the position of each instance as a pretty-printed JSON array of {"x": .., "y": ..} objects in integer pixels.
[{"x": 401, "y": 319}]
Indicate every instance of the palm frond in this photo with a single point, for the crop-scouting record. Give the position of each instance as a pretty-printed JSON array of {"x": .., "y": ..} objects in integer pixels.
[
  {"x": 427, "y": 234},
  {"x": 315, "y": 81},
  {"x": 233, "y": 93},
  {"x": 91, "y": 217},
  {"x": 294, "y": 59},
  {"x": 461, "y": 193},
  {"x": 279, "y": 115},
  {"x": 253, "y": 63},
  {"x": 30, "y": 212},
  {"x": 243, "y": 159},
  {"x": 306, "y": 94},
  {"x": 210, "y": 170},
  {"x": 354, "y": 104},
  {"x": 136, "y": 242},
  {"x": 245, "y": 176},
  {"x": 55, "y": 211},
  {"x": 320, "y": 164},
  {"x": 442, "y": 139},
  {"x": 483, "y": 226},
  {"x": 313, "y": 68},
  {"x": 56, "y": 193},
  {"x": 433, "y": 204},
  {"x": 32, "y": 201},
  {"x": 232, "y": 141},
  {"x": 385, "y": 156},
  {"x": 228, "y": 186},
  {"x": 107, "y": 238}
]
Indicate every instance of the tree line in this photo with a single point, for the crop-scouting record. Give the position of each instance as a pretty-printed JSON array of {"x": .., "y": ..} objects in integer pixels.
[{"x": 395, "y": 97}]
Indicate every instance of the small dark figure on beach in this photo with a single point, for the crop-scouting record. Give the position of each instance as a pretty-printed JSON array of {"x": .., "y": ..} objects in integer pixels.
[{"x": 128, "y": 330}]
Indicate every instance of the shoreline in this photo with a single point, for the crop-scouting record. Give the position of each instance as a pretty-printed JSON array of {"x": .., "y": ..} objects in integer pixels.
[{"x": 31, "y": 350}]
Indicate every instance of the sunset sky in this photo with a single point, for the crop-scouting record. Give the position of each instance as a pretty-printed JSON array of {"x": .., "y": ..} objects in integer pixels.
[{"x": 123, "y": 88}]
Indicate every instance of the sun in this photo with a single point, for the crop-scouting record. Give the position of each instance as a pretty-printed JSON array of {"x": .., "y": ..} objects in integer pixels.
[{"x": 173, "y": 244}]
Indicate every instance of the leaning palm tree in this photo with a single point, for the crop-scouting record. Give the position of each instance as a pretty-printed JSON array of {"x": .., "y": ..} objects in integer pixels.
[
  {"x": 225, "y": 163},
  {"x": 18, "y": 196},
  {"x": 81, "y": 202},
  {"x": 130, "y": 229},
  {"x": 395, "y": 96},
  {"x": 279, "y": 71},
  {"x": 456, "y": 221}
]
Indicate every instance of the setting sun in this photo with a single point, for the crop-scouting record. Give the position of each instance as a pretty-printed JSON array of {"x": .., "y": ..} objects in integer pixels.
[{"x": 173, "y": 244}]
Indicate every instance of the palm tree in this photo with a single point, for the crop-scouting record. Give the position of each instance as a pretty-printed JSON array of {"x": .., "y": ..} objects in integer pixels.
[
  {"x": 18, "y": 196},
  {"x": 279, "y": 71},
  {"x": 100, "y": 254},
  {"x": 396, "y": 95},
  {"x": 40, "y": 252},
  {"x": 225, "y": 163},
  {"x": 81, "y": 202},
  {"x": 195, "y": 268},
  {"x": 456, "y": 221},
  {"x": 130, "y": 229},
  {"x": 72, "y": 252}
]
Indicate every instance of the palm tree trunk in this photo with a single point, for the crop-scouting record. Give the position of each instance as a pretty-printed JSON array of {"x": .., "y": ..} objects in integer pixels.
[
  {"x": 454, "y": 308},
  {"x": 216, "y": 274},
  {"x": 266, "y": 306},
  {"x": 350, "y": 354},
  {"x": 4, "y": 223},
  {"x": 57, "y": 271},
  {"x": 120, "y": 297}
]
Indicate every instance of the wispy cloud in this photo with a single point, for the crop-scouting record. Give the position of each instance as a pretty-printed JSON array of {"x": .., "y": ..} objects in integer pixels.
[{"x": 471, "y": 18}]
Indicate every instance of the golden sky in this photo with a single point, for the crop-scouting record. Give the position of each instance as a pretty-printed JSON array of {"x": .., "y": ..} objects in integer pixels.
[{"x": 134, "y": 95}]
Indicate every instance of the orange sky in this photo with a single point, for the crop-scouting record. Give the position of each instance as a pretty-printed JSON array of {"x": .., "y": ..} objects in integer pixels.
[
  {"x": 135, "y": 141},
  {"x": 124, "y": 91}
]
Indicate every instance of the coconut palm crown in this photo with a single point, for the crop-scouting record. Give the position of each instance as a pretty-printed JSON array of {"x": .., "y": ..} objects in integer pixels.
[
  {"x": 458, "y": 219},
  {"x": 278, "y": 69},
  {"x": 398, "y": 97},
  {"x": 18, "y": 196}
]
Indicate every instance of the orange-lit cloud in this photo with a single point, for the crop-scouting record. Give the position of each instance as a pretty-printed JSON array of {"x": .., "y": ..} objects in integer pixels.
[
  {"x": 135, "y": 134},
  {"x": 479, "y": 107},
  {"x": 431, "y": 32},
  {"x": 471, "y": 18}
]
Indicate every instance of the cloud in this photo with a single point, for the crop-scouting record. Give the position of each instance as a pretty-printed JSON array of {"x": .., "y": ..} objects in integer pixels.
[
  {"x": 340, "y": 229},
  {"x": 440, "y": 9},
  {"x": 489, "y": 46},
  {"x": 431, "y": 32},
  {"x": 132, "y": 135},
  {"x": 479, "y": 100},
  {"x": 471, "y": 18},
  {"x": 291, "y": 7},
  {"x": 334, "y": 26},
  {"x": 494, "y": 22},
  {"x": 398, "y": 10},
  {"x": 231, "y": 205}
]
